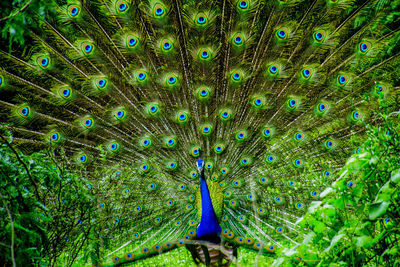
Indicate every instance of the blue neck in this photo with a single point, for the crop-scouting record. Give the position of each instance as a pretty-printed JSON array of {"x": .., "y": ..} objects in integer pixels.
[{"x": 209, "y": 228}]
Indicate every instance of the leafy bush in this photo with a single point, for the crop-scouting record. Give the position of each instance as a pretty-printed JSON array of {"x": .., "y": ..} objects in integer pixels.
[{"x": 357, "y": 220}]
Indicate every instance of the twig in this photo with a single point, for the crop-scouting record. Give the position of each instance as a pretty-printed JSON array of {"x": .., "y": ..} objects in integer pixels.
[
  {"x": 19, "y": 11},
  {"x": 12, "y": 231},
  {"x": 23, "y": 164}
]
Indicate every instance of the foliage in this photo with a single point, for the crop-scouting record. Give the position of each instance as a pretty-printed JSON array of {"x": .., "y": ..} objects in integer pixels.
[
  {"x": 42, "y": 210},
  {"x": 17, "y": 18},
  {"x": 357, "y": 221}
]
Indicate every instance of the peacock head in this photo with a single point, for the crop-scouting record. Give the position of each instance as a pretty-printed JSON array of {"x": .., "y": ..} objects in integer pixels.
[{"x": 200, "y": 165}]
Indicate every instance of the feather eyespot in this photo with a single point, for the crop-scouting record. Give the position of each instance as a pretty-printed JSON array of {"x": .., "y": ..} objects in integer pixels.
[
  {"x": 236, "y": 76},
  {"x": 88, "y": 123},
  {"x": 159, "y": 10},
  {"x": 355, "y": 116},
  {"x": 136, "y": 235},
  {"x": 238, "y": 40},
  {"x": 298, "y": 136},
  {"x": 195, "y": 152},
  {"x": 329, "y": 144},
  {"x": 245, "y": 161},
  {"x": 282, "y": 34},
  {"x": 121, "y": 6},
  {"x": 170, "y": 142},
  {"x": 87, "y": 48},
  {"x": 364, "y": 47},
  {"x": 167, "y": 45},
  {"x": 144, "y": 168},
  {"x": 119, "y": 114},
  {"x": 306, "y": 73},
  {"x": 225, "y": 115},
  {"x": 319, "y": 36},
  {"x": 182, "y": 117},
  {"x": 205, "y": 54},
  {"x": 350, "y": 184},
  {"x": 258, "y": 102},
  {"x": 243, "y": 5},
  {"x": 273, "y": 69},
  {"x": 201, "y": 20},
  {"x": 73, "y": 11},
  {"x": 292, "y": 104},
  {"x": 219, "y": 148},
  {"x": 54, "y": 137},
  {"x": 260, "y": 211},
  {"x": 263, "y": 180},
  {"x": 65, "y": 93},
  {"x": 151, "y": 187},
  {"x": 24, "y": 112},
  {"x": 129, "y": 256},
  {"x": 44, "y": 62},
  {"x": 153, "y": 109},
  {"x": 113, "y": 147},
  {"x": 82, "y": 158},
  {"x": 203, "y": 93},
  {"x": 241, "y": 135},
  {"x": 206, "y": 130},
  {"x": 270, "y": 159},
  {"x": 101, "y": 83},
  {"x": 298, "y": 163},
  {"x": 131, "y": 41},
  {"x": 278, "y": 199},
  {"x": 266, "y": 132}
]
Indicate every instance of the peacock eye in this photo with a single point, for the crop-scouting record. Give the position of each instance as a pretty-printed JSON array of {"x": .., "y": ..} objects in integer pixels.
[
  {"x": 73, "y": 11},
  {"x": 171, "y": 79},
  {"x": 122, "y": 7},
  {"x": 363, "y": 47},
  {"x": 306, "y": 73},
  {"x": 167, "y": 45},
  {"x": 243, "y": 4},
  {"x": 132, "y": 41},
  {"x": 66, "y": 92},
  {"x": 88, "y": 48}
]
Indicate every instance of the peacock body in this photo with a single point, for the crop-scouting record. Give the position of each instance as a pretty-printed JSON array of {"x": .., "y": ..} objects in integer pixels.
[{"x": 273, "y": 97}]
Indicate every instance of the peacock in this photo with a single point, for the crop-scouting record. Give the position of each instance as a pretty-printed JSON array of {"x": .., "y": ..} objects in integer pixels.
[{"x": 210, "y": 125}]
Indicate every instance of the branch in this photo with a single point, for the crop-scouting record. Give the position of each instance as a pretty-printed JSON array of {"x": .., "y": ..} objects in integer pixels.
[
  {"x": 23, "y": 164},
  {"x": 12, "y": 232},
  {"x": 19, "y": 11}
]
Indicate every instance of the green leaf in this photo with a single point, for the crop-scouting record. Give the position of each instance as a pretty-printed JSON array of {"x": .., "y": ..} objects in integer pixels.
[
  {"x": 395, "y": 176},
  {"x": 377, "y": 209},
  {"x": 364, "y": 241},
  {"x": 335, "y": 239}
]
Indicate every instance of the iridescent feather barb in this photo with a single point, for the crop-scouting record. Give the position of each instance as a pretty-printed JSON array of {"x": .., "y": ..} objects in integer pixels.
[{"x": 272, "y": 95}]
